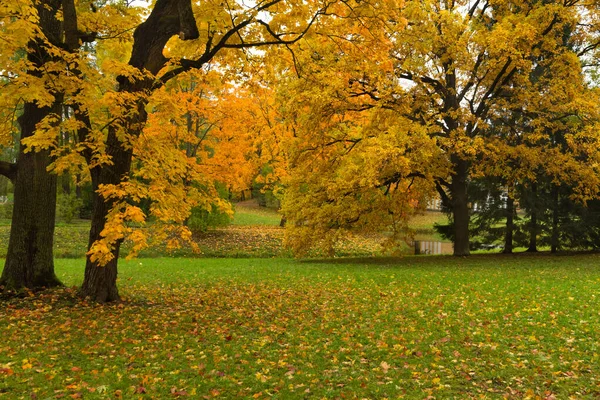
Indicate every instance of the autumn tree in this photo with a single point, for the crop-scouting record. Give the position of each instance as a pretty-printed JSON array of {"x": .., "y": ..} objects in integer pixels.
[
  {"x": 198, "y": 138},
  {"x": 29, "y": 262},
  {"x": 214, "y": 32},
  {"x": 44, "y": 54},
  {"x": 441, "y": 68},
  {"x": 536, "y": 142}
]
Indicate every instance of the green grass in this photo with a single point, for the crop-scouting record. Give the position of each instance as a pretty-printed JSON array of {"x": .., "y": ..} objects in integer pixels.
[
  {"x": 425, "y": 221},
  {"x": 477, "y": 327},
  {"x": 70, "y": 240},
  {"x": 423, "y": 226},
  {"x": 252, "y": 216},
  {"x": 254, "y": 232}
]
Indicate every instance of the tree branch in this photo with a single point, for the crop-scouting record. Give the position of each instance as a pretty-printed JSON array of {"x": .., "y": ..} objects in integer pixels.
[
  {"x": 446, "y": 201},
  {"x": 72, "y": 34},
  {"x": 472, "y": 79},
  {"x": 168, "y": 18},
  {"x": 492, "y": 89},
  {"x": 209, "y": 53},
  {"x": 8, "y": 170}
]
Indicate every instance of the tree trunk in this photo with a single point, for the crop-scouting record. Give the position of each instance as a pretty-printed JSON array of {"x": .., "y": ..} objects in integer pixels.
[
  {"x": 100, "y": 282},
  {"x": 510, "y": 225},
  {"x": 533, "y": 228},
  {"x": 29, "y": 260},
  {"x": 555, "y": 211},
  {"x": 65, "y": 183},
  {"x": 168, "y": 18},
  {"x": 460, "y": 206}
]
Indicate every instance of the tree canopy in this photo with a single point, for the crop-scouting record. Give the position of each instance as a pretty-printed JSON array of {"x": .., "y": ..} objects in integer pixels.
[{"x": 400, "y": 98}]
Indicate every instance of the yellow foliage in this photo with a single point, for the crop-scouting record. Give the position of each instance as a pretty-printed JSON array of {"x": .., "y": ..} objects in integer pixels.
[{"x": 407, "y": 93}]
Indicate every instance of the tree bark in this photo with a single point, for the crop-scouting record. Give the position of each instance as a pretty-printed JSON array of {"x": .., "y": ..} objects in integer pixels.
[
  {"x": 533, "y": 228},
  {"x": 29, "y": 260},
  {"x": 510, "y": 225},
  {"x": 100, "y": 282},
  {"x": 460, "y": 206}
]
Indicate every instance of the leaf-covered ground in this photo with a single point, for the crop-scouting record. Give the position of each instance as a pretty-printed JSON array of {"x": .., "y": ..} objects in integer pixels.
[{"x": 481, "y": 327}]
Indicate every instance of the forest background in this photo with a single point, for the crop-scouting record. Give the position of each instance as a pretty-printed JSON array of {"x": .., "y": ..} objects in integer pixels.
[{"x": 354, "y": 115}]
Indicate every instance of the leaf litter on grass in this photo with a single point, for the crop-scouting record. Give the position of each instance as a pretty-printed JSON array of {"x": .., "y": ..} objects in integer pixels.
[{"x": 399, "y": 328}]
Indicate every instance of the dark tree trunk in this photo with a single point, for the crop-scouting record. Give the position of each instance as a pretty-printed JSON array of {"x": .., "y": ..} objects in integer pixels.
[
  {"x": 100, "y": 282},
  {"x": 533, "y": 228},
  {"x": 555, "y": 212},
  {"x": 167, "y": 18},
  {"x": 78, "y": 192},
  {"x": 510, "y": 225},
  {"x": 460, "y": 206},
  {"x": 29, "y": 260}
]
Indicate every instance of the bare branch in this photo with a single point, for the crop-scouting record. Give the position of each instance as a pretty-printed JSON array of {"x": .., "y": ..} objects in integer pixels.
[{"x": 8, "y": 170}]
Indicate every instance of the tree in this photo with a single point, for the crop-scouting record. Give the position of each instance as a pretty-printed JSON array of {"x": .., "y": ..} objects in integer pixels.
[
  {"x": 40, "y": 57},
  {"x": 446, "y": 67},
  {"x": 199, "y": 143},
  {"x": 536, "y": 151},
  {"x": 216, "y": 30},
  {"x": 29, "y": 262}
]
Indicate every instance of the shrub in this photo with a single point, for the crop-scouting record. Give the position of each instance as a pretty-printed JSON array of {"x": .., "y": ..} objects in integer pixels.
[
  {"x": 201, "y": 219},
  {"x": 68, "y": 207}
]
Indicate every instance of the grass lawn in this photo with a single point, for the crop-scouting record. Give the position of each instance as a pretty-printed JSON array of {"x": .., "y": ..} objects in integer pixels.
[
  {"x": 477, "y": 327},
  {"x": 249, "y": 214}
]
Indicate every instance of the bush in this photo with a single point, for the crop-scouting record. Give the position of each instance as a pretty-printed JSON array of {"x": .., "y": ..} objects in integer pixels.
[
  {"x": 68, "y": 207},
  {"x": 201, "y": 220},
  {"x": 262, "y": 192}
]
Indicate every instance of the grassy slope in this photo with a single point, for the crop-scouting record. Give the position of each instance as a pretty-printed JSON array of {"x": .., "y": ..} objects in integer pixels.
[
  {"x": 480, "y": 327},
  {"x": 249, "y": 214}
]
